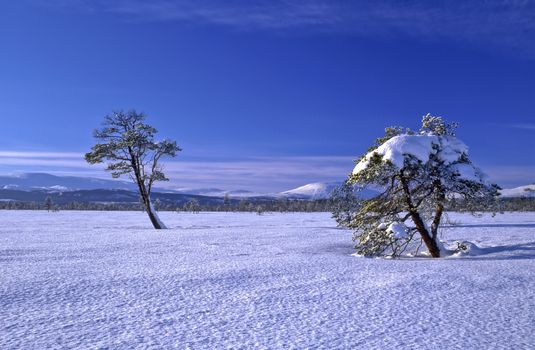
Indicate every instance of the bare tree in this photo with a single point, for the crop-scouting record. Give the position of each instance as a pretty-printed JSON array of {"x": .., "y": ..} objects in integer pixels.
[{"x": 128, "y": 144}]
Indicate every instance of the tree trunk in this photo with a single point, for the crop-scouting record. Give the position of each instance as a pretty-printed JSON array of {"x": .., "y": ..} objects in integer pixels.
[
  {"x": 153, "y": 216},
  {"x": 430, "y": 241},
  {"x": 155, "y": 222},
  {"x": 436, "y": 221},
  {"x": 145, "y": 196}
]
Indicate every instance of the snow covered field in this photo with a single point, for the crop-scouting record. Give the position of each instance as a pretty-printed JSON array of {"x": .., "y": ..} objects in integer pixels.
[{"x": 215, "y": 280}]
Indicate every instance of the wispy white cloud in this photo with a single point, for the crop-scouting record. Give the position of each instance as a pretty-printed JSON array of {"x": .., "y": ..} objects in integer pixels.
[
  {"x": 258, "y": 174},
  {"x": 53, "y": 162},
  {"x": 23, "y": 154},
  {"x": 507, "y": 24},
  {"x": 524, "y": 126}
]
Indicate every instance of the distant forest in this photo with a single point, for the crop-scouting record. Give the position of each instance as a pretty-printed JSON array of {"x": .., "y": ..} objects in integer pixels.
[{"x": 243, "y": 205}]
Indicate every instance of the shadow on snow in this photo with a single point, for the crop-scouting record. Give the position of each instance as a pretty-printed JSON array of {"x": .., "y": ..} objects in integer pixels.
[{"x": 505, "y": 225}]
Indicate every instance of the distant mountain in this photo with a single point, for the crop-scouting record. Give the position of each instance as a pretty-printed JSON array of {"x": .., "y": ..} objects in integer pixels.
[
  {"x": 522, "y": 191},
  {"x": 47, "y": 183},
  {"x": 316, "y": 190},
  {"x": 320, "y": 190},
  {"x": 43, "y": 181},
  {"x": 217, "y": 192},
  {"x": 102, "y": 196},
  {"x": 53, "y": 183}
]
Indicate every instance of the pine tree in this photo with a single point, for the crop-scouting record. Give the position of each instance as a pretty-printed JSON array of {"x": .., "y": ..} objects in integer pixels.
[
  {"x": 344, "y": 202},
  {"x": 49, "y": 204},
  {"x": 417, "y": 174},
  {"x": 192, "y": 205},
  {"x": 226, "y": 202},
  {"x": 128, "y": 144},
  {"x": 157, "y": 204}
]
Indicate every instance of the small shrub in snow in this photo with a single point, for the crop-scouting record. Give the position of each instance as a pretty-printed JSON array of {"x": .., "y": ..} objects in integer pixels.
[{"x": 417, "y": 173}]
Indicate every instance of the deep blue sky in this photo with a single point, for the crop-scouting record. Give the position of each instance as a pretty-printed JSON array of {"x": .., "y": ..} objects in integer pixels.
[{"x": 269, "y": 95}]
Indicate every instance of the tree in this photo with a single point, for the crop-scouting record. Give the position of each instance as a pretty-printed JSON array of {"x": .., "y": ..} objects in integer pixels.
[
  {"x": 226, "y": 202},
  {"x": 157, "y": 204},
  {"x": 128, "y": 144},
  {"x": 416, "y": 173},
  {"x": 192, "y": 205},
  {"x": 344, "y": 202},
  {"x": 259, "y": 210},
  {"x": 49, "y": 204}
]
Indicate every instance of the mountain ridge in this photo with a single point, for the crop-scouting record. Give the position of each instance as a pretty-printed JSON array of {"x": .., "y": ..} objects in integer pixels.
[{"x": 312, "y": 191}]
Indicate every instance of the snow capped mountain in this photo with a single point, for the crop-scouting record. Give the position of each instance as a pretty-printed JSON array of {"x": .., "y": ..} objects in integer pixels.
[
  {"x": 54, "y": 183},
  {"x": 43, "y": 181},
  {"x": 316, "y": 190},
  {"x": 311, "y": 191},
  {"x": 522, "y": 191},
  {"x": 321, "y": 190},
  {"x": 216, "y": 192}
]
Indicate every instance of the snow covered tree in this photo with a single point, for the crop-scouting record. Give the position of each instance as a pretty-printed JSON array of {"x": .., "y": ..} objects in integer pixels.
[
  {"x": 128, "y": 144},
  {"x": 416, "y": 173}
]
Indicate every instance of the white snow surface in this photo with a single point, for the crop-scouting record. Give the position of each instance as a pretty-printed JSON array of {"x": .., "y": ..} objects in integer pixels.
[
  {"x": 99, "y": 280},
  {"x": 419, "y": 146}
]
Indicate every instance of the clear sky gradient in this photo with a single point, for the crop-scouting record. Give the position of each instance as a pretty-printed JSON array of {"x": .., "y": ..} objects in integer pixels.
[{"x": 269, "y": 95}]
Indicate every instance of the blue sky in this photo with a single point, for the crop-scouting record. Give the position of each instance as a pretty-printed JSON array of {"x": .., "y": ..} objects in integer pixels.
[{"x": 267, "y": 95}]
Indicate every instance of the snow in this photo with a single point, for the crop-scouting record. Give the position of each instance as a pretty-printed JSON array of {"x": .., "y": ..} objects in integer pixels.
[
  {"x": 468, "y": 172},
  {"x": 464, "y": 248},
  {"x": 451, "y": 148},
  {"x": 522, "y": 191},
  {"x": 316, "y": 190},
  {"x": 216, "y": 192},
  {"x": 382, "y": 226},
  {"x": 322, "y": 190},
  {"x": 397, "y": 230},
  {"x": 420, "y": 147},
  {"x": 57, "y": 188},
  {"x": 10, "y": 187},
  {"x": 90, "y": 280},
  {"x": 32, "y": 181},
  {"x": 395, "y": 149}
]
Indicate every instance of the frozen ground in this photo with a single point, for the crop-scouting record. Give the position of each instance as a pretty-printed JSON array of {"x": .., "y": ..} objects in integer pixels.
[{"x": 106, "y": 280}]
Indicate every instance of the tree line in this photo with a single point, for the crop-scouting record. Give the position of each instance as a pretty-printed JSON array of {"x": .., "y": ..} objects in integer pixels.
[
  {"x": 519, "y": 204},
  {"x": 192, "y": 206}
]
